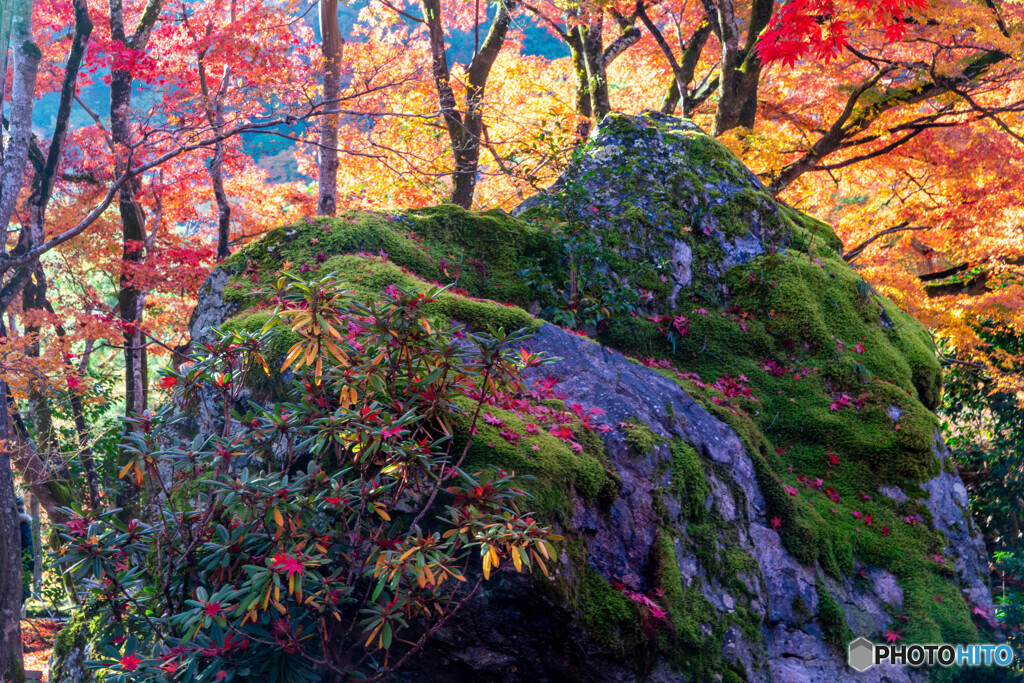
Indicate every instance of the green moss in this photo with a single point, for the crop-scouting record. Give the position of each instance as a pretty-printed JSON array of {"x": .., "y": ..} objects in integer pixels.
[
  {"x": 83, "y": 630},
  {"x": 736, "y": 561},
  {"x": 800, "y": 608},
  {"x": 689, "y": 480},
  {"x": 733, "y": 676},
  {"x": 479, "y": 315},
  {"x": 251, "y": 322},
  {"x": 478, "y": 253},
  {"x": 697, "y": 627},
  {"x": 734, "y": 215},
  {"x": 949, "y": 467},
  {"x": 610, "y": 617},
  {"x": 808, "y": 231},
  {"x": 556, "y": 469},
  {"x": 640, "y": 436},
  {"x": 686, "y": 607},
  {"x": 832, "y": 618},
  {"x": 480, "y": 250}
]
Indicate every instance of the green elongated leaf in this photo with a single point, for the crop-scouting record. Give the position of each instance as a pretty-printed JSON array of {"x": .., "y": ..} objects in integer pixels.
[
  {"x": 190, "y": 634},
  {"x": 379, "y": 588}
]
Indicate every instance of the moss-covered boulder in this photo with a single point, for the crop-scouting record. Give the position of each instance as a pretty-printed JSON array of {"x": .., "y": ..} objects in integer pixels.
[
  {"x": 769, "y": 472},
  {"x": 674, "y": 208}
]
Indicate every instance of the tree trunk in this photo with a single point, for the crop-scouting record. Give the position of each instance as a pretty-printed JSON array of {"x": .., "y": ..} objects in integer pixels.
[
  {"x": 465, "y": 131},
  {"x": 12, "y": 667},
  {"x": 133, "y": 235},
  {"x": 23, "y": 88},
  {"x": 327, "y": 169},
  {"x": 216, "y": 167},
  {"x": 442, "y": 78},
  {"x": 214, "y": 106},
  {"x": 683, "y": 70},
  {"x": 592, "y": 39},
  {"x": 740, "y": 69},
  {"x": 579, "y": 66},
  {"x": 5, "y": 41},
  {"x": 467, "y": 154},
  {"x": 37, "y": 542},
  {"x": 35, "y": 298},
  {"x": 26, "y": 64},
  {"x": 131, "y": 299}
]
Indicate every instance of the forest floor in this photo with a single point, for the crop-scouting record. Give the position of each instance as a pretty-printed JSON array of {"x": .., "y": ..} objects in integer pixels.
[{"x": 38, "y": 636}]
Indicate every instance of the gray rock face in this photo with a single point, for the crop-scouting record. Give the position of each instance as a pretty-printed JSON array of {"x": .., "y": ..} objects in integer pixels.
[
  {"x": 949, "y": 506},
  {"x": 793, "y": 646},
  {"x": 71, "y": 668},
  {"x": 780, "y": 593},
  {"x": 211, "y": 309}
]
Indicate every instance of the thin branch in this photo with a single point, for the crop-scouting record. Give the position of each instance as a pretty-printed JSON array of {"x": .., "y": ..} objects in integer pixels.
[{"x": 854, "y": 253}]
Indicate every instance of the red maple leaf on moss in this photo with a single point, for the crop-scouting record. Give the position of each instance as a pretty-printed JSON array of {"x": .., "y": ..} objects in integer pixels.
[{"x": 561, "y": 432}]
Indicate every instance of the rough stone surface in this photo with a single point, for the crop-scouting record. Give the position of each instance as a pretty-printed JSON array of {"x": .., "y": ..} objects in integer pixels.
[
  {"x": 949, "y": 506},
  {"x": 893, "y": 492},
  {"x": 211, "y": 309},
  {"x": 793, "y": 647},
  {"x": 724, "y": 201}
]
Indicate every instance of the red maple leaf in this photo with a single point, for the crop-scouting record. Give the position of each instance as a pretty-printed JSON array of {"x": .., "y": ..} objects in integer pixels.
[
  {"x": 493, "y": 420},
  {"x": 284, "y": 563},
  {"x": 562, "y": 432},
  {"x": 130, "y": 662}
]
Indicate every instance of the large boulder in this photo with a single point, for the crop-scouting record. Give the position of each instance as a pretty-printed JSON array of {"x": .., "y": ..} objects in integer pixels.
[{"x": 771, "y": 474}]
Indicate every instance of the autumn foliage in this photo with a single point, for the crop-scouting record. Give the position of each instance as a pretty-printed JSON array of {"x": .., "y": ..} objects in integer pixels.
[{"x": 896, "y": 121}]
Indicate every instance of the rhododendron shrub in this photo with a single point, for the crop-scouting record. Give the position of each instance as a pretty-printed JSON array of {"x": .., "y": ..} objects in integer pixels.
[{"x": 329, "y": 537}]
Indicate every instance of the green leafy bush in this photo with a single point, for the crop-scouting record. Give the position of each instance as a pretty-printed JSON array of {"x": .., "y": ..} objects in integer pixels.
[{"x": 332, "y": 535}]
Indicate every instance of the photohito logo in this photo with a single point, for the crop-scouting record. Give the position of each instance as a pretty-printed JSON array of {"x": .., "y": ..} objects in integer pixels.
[{"x": 863, "y": 654}]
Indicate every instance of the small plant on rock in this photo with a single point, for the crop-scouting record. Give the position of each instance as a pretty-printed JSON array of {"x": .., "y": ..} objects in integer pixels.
[{"x": 590, "y": 294}]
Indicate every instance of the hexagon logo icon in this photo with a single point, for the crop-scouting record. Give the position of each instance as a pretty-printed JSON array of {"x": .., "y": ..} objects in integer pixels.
[{"x": 861, "y": 655}]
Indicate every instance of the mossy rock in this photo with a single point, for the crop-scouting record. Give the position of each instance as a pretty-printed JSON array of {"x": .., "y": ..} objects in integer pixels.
[
  {"x": 74, "y": 645},
  {"x": 819, "y": 376}
]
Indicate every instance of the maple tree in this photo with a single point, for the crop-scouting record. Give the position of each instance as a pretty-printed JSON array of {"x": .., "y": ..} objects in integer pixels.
[
  {"x": 897, "y": 121},
  {"x": 59, "y": 191}
]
